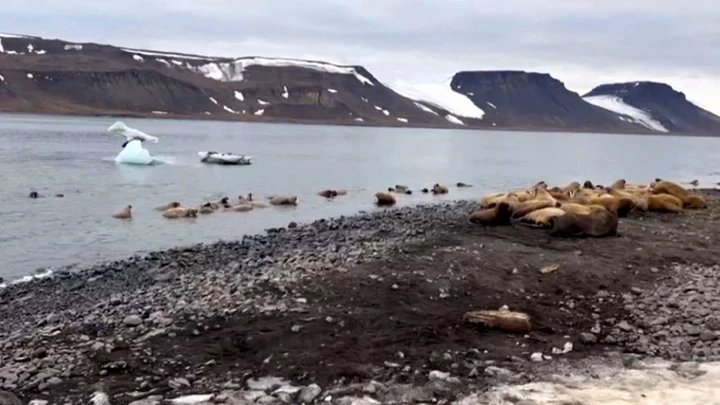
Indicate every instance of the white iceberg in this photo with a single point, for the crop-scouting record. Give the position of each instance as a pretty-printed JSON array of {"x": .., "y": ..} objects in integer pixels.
[
  {"x": 119, "y": 128},
  {"x": 134, "y": 154}
]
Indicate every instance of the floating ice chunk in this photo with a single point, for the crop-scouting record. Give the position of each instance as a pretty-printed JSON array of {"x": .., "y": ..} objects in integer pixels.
[
  {"x": 454, "y": 119},
  {"x": 405, "y": 120},
  {"x": 285, "y": 92},
  {"x": 213, "y": 100},
  {"x": 260, "y": 112},
  {"x": 138, "y": 58},
  {"x": 163, "y": 61},
  {"x": 332, "y": 90},
  {"x": 73, "y": 47},
  {"x": 119, "y": 128},
  {"x": 239, "y": 96},
  {"x": 30, "y": 76},
  {"x": 440, "y": 95},
  {"x": 134, "y": 154},
  {"x": 263, "y": 102},
  {"x": 618, "y": 106},
  {"x": 230, "y": 110}
]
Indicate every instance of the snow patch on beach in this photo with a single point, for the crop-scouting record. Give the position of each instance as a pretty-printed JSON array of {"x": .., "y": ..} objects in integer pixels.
[
  {"x": 138, "y": 58},
  {"x": 30, "y": 76},
  {"x": 285, "y": 92},
  {"x": 2, "y": 79},
  {"x": 176, "y": 62},
  {"x": 618, "y": 106},
  {"x": 12, "y": 36},
  {"x": 228, "y": 109},
  {"x": 259, "y": 112},
  {"x": 162, "y": 54},
  {"x": 359, "y": 119},
  {"x": 263, "y": 102},
  {"x": 213, "y": 100},
  {"x": 442, "y": 96},
  {"x": 239, "y": 96},
  {"x": 73, "y": 47},
  {"x": 491, "y": 104},
  {"x": 2, "y": 50},
  {"x": 233, "y": 71},
  {"x": 332, "y": 90},
  {"x": 405, "y": 120},
  {"x": 163, "y": 61}
]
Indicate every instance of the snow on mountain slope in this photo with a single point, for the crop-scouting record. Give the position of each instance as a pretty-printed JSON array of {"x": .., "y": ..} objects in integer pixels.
[
  {"x": 440, "y": 95},
  {"x": 618, "y": 106},
  {"x": 233, "y": 71}
]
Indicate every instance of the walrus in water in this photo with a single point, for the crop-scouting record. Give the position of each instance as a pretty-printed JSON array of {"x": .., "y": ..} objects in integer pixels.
[
  {"x": 460, "y": 184},
  {"x": 242, "y": 207},
  {"x": 328, "y": 193},
  {"x": 206, "y": 208},
  {"x": 223, "y": 202},
  {"x": 498, "y": 215},
  {"x": 250, "y": 200},
  {"x": 180, "y": 212},
  {"x": 34, "y": 194},
  {"x": 439, "y": 189},
  {"x": 284, "y": 200},
  {"x": 597, "y": 224},
  {"x": 384, "y": 199},
  {"x": 125, "y": 213},
  {"x": 167, "y": 206}
]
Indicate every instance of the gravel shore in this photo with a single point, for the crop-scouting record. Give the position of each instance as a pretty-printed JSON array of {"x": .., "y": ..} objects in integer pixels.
[{"x": 365, "y": 308}]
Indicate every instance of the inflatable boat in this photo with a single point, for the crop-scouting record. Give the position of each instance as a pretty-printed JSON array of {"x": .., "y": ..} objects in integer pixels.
[{"x": 224, "y": 158}]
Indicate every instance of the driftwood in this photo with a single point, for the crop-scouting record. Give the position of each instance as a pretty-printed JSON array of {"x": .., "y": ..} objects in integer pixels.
[{"x": 503, "y": 318}]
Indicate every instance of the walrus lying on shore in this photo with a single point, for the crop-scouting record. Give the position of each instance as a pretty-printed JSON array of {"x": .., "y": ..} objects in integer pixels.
[
  {"x": 497, "y": 215},
  {"x": 598, "y": 223},
  {"x": 539, "y": 218},
  {"x": 688, "y": 198}
]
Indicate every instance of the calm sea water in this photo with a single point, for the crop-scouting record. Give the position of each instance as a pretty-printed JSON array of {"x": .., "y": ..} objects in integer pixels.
[{"x": 74, "y": 156}]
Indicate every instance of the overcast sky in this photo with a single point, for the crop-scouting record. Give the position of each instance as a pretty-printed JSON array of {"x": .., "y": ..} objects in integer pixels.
[{"x": 581, "y": 42}]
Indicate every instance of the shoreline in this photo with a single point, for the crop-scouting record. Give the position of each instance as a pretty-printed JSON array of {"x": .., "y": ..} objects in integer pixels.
[
  {"x": 282, "y": 121},
  {"x": 342, "y": 302}
]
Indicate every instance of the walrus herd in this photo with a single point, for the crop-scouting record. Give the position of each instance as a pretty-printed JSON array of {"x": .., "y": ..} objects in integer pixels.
[{"x": 582, "y": 210}]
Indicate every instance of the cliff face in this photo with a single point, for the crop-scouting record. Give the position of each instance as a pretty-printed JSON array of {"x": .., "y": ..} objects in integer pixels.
[
  {"x": 52, "y": 76},
  {"x": 661, "y": 103},
  {"x": 534, "y": 100}
]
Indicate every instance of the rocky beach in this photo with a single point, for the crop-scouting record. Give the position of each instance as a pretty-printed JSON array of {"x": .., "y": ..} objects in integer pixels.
[{"x": 368, "y": 309}]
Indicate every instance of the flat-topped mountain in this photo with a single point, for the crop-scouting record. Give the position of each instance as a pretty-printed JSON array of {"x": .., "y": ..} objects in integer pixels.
[
  {"x": 531, "y": 100},
  {"x": 655, "y": 105}
]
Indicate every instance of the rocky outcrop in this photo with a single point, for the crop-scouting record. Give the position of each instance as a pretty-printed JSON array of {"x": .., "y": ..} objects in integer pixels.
[
  {"x": 528, "y": 100},
  {"x": 658, "y": 102}
]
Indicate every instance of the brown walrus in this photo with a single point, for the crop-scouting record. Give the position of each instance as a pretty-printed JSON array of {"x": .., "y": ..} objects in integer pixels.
[
  {"x": 384, "y": 199},
  {"x": 540, "y": 218},
  {"x": 167, "y": 206},
  {"x": 206, "y": 208},
  {"x": 689, "y": 199},
  {"x": 598, "y": 223},
  {"x": 328, "y": 193},
  {"x": 439, "y": 189},
  {"x": 498, "y": 215},
  {"x": 524, "y": 208},
  {"x": 618, "y": 206},
  {"x": 125, "y": 213},
  {"x": 180, "y": 212},
  {"x": 284, "y": 200},
  {"x": 664, "y": 203},
  {"x": 242, "y": 207}
]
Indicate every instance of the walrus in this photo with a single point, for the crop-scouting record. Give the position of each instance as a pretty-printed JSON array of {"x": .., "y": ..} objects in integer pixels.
[
  {"x": 598, "y": 223},
  {"x": 618, "y": 184},
  {"x": 540, "y": 218},
  {"x": 401, "y": 188},
  {"x": 639, "y": 201},
  {"x": 180, "y": 212},
  {"x": 384, "y": 199},
  {"x": 167, "y": 206},
  {"x": 498, "y": 215},
  {"x": 688, "y": 198},
  {"x": 618, "y": 206},
  {"x": 460, "y": 184},
  {"x": 664, "y": 203},
  {"x": 425, "y": 190},
  {"x": 223, "y": 202},
  {"x": 575, "y": 208},
  {"x": 328, "y": 193},
  {"x": 125, "y": 213},
  {"x": 541, "y": 194},
  {"x": 491, "y": 200},
  {"x": 572, "y": 186},
  {"x": 695, "y": 183},
  {"x": 524, "y": 208},
  {"x": 588, "y": 184},
  {"x": 242, "y": 207},
  {"x": 439, "y": 189},
  {"x": 540, "y": 184},
  {"x": 511, "y": 199},
  {"x": 284, "y": 200},
  {"x": 206, "y": 208}
]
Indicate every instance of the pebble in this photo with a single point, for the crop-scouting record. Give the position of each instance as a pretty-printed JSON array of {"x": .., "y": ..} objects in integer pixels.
[
  {"x": 309, "y": 393},
  {"x": 132, "y": 320}
]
